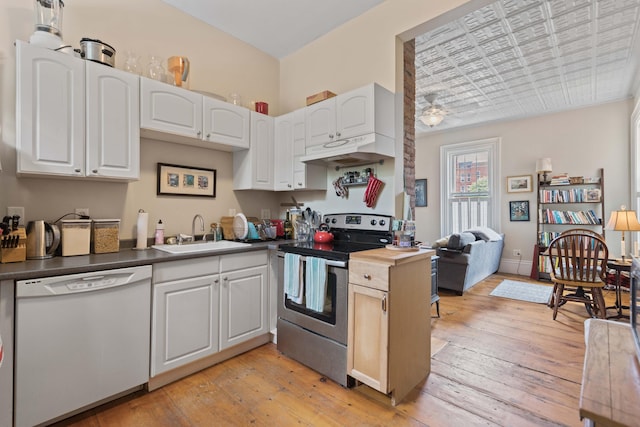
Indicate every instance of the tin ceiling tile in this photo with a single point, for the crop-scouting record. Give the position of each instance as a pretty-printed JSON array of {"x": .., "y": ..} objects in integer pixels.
[{"x": 514, "y": 58}]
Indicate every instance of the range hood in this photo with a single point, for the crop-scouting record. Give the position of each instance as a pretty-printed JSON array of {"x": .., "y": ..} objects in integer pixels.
[{"x": 351, "y": 152}]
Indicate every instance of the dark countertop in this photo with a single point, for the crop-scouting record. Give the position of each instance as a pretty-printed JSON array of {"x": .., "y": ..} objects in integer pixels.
[{"x": 59, "y": 265}]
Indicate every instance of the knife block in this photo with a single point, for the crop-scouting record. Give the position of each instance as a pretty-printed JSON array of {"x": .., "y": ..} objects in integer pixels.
[{"x": 18, "y": 250}]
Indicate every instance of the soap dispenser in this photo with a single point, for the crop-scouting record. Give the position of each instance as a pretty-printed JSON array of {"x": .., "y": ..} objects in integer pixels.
[{"x": 159, "y": 236}]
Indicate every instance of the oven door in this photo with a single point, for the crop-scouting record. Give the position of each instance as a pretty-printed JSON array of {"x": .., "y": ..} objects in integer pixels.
[{"x": 332, "y": 321}]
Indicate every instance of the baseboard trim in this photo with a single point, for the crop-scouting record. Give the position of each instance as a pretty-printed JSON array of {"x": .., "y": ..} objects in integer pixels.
[{"x": 512, "y": 266}]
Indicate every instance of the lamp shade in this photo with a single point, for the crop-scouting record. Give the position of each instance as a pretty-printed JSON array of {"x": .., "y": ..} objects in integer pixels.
[
  {"x": 623, "y": 220},
  {"x": 543, "y": 165}
]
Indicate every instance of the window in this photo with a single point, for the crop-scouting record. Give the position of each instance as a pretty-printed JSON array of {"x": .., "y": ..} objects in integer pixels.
[{"x": 476, "y": 204}]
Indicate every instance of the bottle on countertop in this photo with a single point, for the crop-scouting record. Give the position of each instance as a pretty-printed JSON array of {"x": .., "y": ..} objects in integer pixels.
[
  {"x": 159, "y": 236},
  {"x": 288, "y": 227}
]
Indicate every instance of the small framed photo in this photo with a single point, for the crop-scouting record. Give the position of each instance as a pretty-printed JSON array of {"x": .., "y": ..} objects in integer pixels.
[
  {"x": 186, "y": 181},
  {"x": 593, "y": 195},
  {"x": 519, "y": 184},
  {"x": 519, "y": 210},
  {"x": 421, "y": 192}
]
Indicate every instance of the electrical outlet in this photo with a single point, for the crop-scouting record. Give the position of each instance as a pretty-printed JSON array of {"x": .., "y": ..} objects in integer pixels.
[
  {"x": 82, "y": 211},
  {"x": 517, "y": 252},
  {"x": 232, "y": 212}
]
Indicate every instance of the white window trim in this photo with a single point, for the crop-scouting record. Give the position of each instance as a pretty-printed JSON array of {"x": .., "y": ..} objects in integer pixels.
[{"x": 493, "y": 146}]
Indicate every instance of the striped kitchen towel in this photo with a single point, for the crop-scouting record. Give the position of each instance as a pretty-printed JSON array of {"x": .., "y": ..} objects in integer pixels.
[
  {"x": 293, "y": 278},
  {"x": 316, "y": 283}
]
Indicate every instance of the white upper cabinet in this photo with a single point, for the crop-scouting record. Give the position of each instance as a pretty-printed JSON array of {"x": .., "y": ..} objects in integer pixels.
[
  {"x": 49, "y": 111},
  {"x": 174, "y": 114},
  {"x": 290, "y": 172},
  {"x": 368, "y": 109},
  {"x": 170, "y": 109},
  {"x": 253, "y": 169},
  {"x": 113, "y": 122},
  {"x": 226, "y": 123},
  {"x": 284, "y": 127},
  {"x": 75, "y": 118}
]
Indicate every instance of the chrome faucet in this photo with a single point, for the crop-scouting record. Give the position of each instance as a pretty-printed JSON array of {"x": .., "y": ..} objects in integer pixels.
[{"x": 193, "y": 226}]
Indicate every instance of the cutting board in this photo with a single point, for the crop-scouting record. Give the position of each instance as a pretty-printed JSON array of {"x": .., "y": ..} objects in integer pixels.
[{"x": 226, "y": 222}]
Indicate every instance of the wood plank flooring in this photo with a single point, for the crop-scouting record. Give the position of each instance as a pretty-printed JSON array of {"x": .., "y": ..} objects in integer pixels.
[{"x": 497, "y": 362}]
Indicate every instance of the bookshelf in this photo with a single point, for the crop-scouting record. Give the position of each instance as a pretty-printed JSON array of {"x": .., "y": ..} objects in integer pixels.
[{"x": 566, "y": 203}]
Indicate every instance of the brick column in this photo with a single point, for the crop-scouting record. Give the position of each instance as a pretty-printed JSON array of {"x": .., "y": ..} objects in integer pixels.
[{"x": 409, "y": 140}]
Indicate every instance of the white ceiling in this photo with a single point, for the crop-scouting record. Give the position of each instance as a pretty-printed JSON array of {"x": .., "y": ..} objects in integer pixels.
[
  {"x": 486, "y": 61},
  {"x": 520, "y": 58},
  {"x": 277, "y": 27}
]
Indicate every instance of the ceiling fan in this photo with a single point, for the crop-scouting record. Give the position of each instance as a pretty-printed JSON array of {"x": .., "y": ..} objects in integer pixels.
[{"x": 432, "y": 114}]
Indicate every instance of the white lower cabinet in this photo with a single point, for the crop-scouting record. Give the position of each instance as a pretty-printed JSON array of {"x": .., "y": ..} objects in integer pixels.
[
  {"x": 244, "y": 298},
  {"x": 185, "y": 319},
  {"x": 202, "y": 306}
]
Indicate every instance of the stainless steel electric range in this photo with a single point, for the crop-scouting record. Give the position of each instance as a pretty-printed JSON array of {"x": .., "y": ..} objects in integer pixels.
[{"x": 318, "y": 339}]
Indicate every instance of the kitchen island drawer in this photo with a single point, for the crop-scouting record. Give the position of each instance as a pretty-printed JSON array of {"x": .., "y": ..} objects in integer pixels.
[{"x": 370, "y": 274}]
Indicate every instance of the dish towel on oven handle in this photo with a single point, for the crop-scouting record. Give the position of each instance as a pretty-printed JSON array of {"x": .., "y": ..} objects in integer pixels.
[
  {"x": 374, "y": 187},
  {"x": 293, "y": 278},
  {"x": 316, "y": 283}
]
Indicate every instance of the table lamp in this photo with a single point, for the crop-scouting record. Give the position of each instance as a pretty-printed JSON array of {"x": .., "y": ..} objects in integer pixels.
[
  {"x": 623, "y": 220},
  {"x": 543, "y": 166}
]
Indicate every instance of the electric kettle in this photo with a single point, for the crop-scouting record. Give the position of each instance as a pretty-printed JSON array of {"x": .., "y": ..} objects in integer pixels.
[{"x": 42, "y": 239}]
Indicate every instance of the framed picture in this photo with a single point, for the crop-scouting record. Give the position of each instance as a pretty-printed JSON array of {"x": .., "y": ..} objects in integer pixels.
[
  {"x": 519, "y": 211},
  {"x": 186, "y": 181},
  {"x": 519, "y": 184},
  {"x": 421, "y": 192},
  {"x": 593, "y": 195}
]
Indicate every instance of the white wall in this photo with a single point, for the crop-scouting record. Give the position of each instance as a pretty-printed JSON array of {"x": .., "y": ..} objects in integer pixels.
[
  {"x": 578, "y": 142},
  {"x": 219, "y": 63}
]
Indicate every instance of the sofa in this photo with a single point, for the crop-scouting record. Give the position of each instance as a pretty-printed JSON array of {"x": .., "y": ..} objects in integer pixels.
[{"x": 467, "y": 258}]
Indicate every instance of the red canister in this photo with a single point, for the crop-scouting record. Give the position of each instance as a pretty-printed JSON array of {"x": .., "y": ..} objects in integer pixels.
[{"x": 262, "y": 107}]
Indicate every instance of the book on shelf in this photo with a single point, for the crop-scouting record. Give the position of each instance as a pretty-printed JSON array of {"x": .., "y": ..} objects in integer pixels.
[
  {"x": 551, "y": 216},
  {"x": 560, "y": 179},
  {"x": 573, "y": 195}
]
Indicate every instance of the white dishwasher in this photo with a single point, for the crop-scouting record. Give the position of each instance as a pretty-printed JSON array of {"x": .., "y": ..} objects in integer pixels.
[{"x": 80, "y": 340}]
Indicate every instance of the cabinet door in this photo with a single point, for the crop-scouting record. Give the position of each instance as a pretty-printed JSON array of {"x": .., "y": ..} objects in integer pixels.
[
  {"x": 49, "y": 111},
  {"x": 320, "y": 121},
  {"x": 226, "y": 123},
  {"x": 170, "y": 109},
  {"x": 284, "y": 152},
  {"x": 253, "y": 169},
  {"x": 355, "y": 113},
  {"x": 368, "y": 336},
  {"x": 185, "y": 322},
  {"x": 244, "y": 305},
  {"x": 113, "y": 122}
]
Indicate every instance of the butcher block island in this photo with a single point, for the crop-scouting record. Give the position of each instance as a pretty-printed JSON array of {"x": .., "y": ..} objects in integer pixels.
[{"x": 389, "y": 334}]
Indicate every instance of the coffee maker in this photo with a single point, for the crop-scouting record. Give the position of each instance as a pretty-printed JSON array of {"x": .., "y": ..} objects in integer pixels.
[{"x": 48, "y": 20}]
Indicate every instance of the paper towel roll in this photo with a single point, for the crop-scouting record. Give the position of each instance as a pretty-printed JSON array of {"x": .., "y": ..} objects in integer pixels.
[{"x": 143, "y": 226}]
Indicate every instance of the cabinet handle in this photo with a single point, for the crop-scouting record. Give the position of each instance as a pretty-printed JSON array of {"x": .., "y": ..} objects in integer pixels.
[
  {"x": 95, "y": 171},
  {"x": 367, "y": 276},
  {"x": 299, "y": 184},
  {"x": 289, "y": 185},
  {"x": 330, "y": 136},
  {"x": 384, "y": 304},
  {"x": 208, "y": 135},
  {"x": 338, "y": 134},
  {"x": 199, "y": 133},
  {"x": 77, "y": 170}
]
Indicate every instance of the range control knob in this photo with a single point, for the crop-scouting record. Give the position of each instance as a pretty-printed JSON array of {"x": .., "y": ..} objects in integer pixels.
[
  {"x": 327, "y": 220},
  {"x": 373, "y": 222},
  {"x": 382, "y": 222},
  {"x": 333, "y": 220}
]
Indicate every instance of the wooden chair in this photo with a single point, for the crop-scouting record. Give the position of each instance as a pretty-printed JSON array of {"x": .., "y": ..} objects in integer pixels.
[{"x": 579, "y": 265}]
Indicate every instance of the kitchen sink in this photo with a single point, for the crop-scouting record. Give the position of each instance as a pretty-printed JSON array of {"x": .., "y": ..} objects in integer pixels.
[{"x": 200, "y": 246}]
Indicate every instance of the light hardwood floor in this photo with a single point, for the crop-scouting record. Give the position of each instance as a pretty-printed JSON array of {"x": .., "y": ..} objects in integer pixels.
[{"x": 497, "y": 361}]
